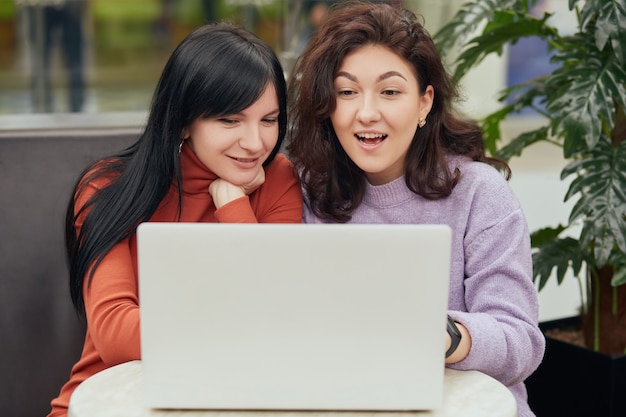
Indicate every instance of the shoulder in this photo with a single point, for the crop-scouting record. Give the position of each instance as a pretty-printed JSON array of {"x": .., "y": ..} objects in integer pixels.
[
  {"x": 483, "y": 184},
  {"x": 476, "y": 171},
  {"x": 97, "y": 177},
  {"x": 478, "y": 175}
]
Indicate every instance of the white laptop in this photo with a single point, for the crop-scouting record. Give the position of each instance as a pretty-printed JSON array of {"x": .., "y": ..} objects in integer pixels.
[{"x": 293, "y": 317}]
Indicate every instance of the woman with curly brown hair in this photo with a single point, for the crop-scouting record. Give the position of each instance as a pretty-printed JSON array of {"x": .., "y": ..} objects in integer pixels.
[{"x": 376, "y": 140}]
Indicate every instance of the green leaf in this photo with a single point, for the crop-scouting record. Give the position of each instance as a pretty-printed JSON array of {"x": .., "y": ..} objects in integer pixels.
[
  {"x": 497, "y": 34},
  {"x": 526, "y": 95},
  {"x": 601, "y": 184},
  {"x": 609, "y": 21},
  {"x": 561, "y": 254},
  {"x": 491, "y": 128},
  {"x": 592, "y": 173},
  {"x": 543, "y": 237},
  {"x": 619, "y": 277},
  {"x": 583, "y": 92},
  {"x": 522, "y": 141},
  {"x": 467, "y": 20}
]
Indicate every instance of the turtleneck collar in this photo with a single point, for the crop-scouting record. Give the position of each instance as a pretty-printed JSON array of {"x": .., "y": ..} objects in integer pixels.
[{"x": 196, "y": 176}]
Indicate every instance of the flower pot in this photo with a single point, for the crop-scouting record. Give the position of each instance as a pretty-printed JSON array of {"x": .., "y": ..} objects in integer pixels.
[{"x": 575, "y": 381}]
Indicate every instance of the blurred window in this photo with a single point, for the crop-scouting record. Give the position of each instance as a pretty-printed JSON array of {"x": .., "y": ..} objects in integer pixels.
[{"x": 90, "y": 63}]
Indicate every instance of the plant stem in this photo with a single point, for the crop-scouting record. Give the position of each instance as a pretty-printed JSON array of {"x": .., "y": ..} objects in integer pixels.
[
  {"x": 596, "y": 310},
  {"x": 614, "y": 301},
  {"x": 583, "y": 304}
]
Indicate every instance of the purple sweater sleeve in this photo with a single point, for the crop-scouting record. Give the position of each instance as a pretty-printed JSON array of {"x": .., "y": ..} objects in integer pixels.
[
  {"x": 493, "y": 295},
  {"x": 498, "y": 303}
]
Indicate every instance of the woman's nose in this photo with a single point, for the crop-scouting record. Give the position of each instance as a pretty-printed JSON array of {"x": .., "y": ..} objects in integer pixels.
[
  {"x": 251, "y": 139},
  {"x": 368, "y": 110}
]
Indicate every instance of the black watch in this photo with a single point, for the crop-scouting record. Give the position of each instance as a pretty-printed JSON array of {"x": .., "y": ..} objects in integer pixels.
[{"x": 455, "y": 335}]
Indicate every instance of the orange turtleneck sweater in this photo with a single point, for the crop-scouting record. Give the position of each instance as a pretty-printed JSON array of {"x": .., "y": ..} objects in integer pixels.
[{"x": 111, "y": 300}]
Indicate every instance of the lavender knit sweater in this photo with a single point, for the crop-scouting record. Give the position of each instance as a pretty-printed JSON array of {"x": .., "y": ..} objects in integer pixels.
[{"x": 491, "y": 289}]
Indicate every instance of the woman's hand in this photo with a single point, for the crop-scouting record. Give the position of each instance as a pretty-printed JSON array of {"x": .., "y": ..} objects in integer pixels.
[{"x": 223, "y": 192}]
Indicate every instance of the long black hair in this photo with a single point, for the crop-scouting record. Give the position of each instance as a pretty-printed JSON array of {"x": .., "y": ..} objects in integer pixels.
[{"x": 217, "y": 70}]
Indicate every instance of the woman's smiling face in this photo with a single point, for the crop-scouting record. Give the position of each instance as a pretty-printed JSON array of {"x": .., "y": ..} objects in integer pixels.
[
  {"x": 378, "y": 108},
  {"x": 234, "y": 147}
]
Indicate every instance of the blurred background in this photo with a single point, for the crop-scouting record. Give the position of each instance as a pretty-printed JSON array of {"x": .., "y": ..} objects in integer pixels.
[
  {"x": 67, "y": 65},
  {"x": 76, "y": 80},
  {"x": 104, "y": 56}
]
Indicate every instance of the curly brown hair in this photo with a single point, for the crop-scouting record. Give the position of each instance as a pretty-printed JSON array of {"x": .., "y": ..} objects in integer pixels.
[{"x": 333, "y": 184}]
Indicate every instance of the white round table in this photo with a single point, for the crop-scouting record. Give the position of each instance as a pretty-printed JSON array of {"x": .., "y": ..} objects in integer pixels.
[{"x": 117, "y": 392}]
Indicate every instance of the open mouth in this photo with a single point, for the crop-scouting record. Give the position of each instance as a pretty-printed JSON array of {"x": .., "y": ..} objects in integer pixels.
[{"x": 371, "y": 138}]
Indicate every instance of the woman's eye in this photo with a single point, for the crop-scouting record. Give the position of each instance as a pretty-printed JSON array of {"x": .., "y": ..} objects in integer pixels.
[
  {"x": 270, "y": 121},
  {"x": 345, "y": 93},
  {"x": 227, "y": 121},
  {"x": 391, "y": 92}
]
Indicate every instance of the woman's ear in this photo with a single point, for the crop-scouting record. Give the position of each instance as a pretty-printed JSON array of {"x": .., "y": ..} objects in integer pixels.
[{"x": 426, "y": 102}]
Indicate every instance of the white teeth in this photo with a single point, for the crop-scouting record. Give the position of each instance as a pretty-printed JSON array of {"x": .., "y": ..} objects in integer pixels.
[{"x": 370, "y": 135}]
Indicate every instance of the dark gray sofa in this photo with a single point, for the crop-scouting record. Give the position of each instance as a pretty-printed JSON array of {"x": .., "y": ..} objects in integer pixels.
[{"x": 40, "y": 334}]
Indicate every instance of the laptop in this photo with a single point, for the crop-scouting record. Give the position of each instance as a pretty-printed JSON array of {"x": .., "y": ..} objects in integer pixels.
[{"x": 293, "y": 316}]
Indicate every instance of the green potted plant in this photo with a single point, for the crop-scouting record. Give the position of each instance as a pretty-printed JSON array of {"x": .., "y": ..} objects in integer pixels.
[{"x": 581, "y": 102}]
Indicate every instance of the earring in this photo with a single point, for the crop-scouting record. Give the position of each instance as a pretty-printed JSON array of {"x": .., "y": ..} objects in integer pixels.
[
  {"x": 422, "y": 123},
  {"x": 180, "y": 146}
]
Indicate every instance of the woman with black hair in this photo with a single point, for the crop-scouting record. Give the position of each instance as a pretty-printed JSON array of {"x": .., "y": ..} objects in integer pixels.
[{"x": 209, "y": 153}]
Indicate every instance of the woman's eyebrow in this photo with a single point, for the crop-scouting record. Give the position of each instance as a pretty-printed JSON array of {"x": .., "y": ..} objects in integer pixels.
[
  {"x": 346, "y": 75},
  {"x": 273, "y": 112},
  {"x": 390, "y": 74},
  {"x": 380, "y": 78}
]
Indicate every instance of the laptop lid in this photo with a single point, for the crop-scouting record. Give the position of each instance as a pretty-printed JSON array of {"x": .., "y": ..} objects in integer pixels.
[{"x": 293, "y": 317}]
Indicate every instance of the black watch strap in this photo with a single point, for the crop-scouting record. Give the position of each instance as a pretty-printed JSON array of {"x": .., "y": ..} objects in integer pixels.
[{"x": 455, "y": 335}]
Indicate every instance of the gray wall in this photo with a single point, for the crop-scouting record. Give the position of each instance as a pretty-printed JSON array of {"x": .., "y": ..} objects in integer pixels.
[{"x": 40, "y": 334}]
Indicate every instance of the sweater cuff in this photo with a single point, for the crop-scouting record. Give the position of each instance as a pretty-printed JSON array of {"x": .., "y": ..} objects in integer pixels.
[{"x": 236, "y": 211}]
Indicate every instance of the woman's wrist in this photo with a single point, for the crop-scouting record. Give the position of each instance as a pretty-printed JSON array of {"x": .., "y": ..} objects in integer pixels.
[
  {"x": 224, "y": 192},
  {"x": 463, "y": 347}
]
